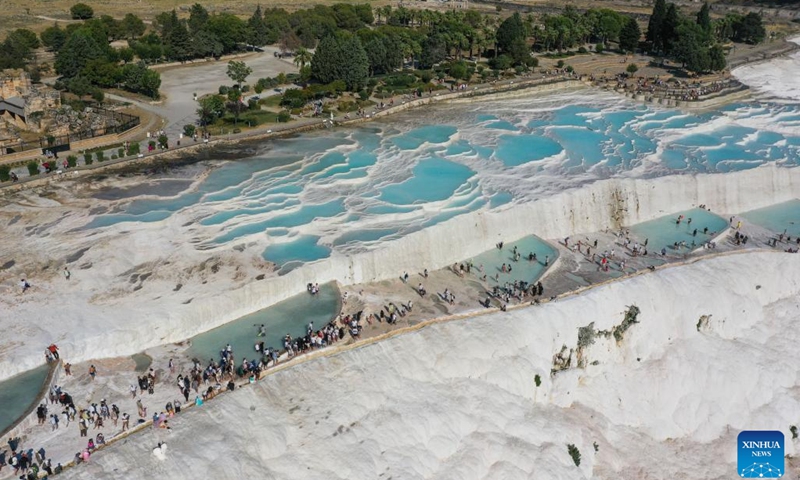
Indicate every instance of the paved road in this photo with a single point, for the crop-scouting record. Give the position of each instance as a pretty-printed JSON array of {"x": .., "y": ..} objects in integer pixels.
[{"x": 179, "y": 84}]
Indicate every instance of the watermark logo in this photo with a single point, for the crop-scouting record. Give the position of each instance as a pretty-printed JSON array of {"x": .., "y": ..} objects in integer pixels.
[{"x": 760, "y": 454}]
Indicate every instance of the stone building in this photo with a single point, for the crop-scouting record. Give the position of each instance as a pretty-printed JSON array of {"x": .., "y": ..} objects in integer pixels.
[{"x": 23, "y": 104}]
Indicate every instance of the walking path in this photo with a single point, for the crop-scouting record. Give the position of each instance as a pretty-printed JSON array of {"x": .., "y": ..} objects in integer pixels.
[{"x": 154, "y": 395}]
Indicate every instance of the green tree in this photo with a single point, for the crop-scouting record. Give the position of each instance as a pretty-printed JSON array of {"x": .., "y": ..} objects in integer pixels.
[
  {"x": 33, "y": 168},
  {"x": 690, "y": 48},
  {"x": 125, "y": 54},
  {"x": 176, "y": 37},
  {"x": 341, "y": 58},
  {"x": 510, "y": 32},
  {"x": 136, "y": 77},
  {"x": 750, "y": 29},
  {"x": 81, "y": 11},
  {"x": 131, "y": 26},
  {"x": 78, "y": 50},
  {"x": 235, "y": 103},
  {"x": 302, "y": 57},
  {"x": 629, "y": 35},
  {"x": 434, "y": 50},
  {"x": 669, "y": 29},
  {"x": 198, "y": 18},
  {"x": 716, "y": 59},
  {"x": 655, "y": 26},
  {"x": 206, "y": 44},
  {"x": 229, "y": 29},
  {"x": 80, "y": 86},
  {"x": 98, "y": 95},
  {"x": 632, "y": 68},
  {"x": 238, "y": 72},
  {"x": 25, "y": 39},
  {"x": 211, "y": 108},
  {"x": 258, "y": 31},
  {"x": 5, "y": 173},
  {"x": 704, "y": 18},
  {"x": 101, "y": 72},
  {"x": 53, "y": 37}
]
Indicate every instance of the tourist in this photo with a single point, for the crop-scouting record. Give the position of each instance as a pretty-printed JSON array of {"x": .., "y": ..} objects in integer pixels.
[
  {"x": 92, "y": 371},
  {"x": 66, "y": 273},
  {"x": 24, "y": 285}
]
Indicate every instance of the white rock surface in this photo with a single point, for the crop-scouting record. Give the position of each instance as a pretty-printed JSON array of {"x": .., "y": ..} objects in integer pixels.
[
  {"x": 458, "y": 400},
  {"x": 98, "y": 313}
]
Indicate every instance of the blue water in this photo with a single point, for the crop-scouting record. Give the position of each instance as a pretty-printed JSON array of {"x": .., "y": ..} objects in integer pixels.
[
  {"x": 301, "y": 216},
  {"x": 778, "y": 218},
  {"x": 384, "y": 180},
  {"x": 303, "y": 249},
  {"x": 515, "y": 150},
  {"x": 490, "y": 263},
  {"x": 433, "y": 179},
  {"x": 364, "y": 236},
  {"x": 663, "y": 232},
  {"x": 18, "y": 393},
  {"x": 289, "y": 316}
]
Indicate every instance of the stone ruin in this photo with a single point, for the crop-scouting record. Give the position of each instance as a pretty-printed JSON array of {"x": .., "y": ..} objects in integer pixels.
[{"x": 24, "y": 105}]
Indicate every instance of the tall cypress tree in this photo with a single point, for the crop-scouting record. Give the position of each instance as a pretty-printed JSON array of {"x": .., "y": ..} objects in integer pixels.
[
  {"x": 655, "y": 25},
  {"x": 704, "y": 18},
  {"x": 669, "y": 29},
  {"x": 629, "y": 35}
]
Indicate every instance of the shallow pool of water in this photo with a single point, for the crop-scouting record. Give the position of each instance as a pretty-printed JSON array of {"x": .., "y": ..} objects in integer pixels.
[
  {"x": 663, "y": 232},
  {"x": 142, "y": 361},
  {"x": 783, "y": 217},
  {"x": 524, "y": 270},
  {"x": 289, "y": 316},
  {"x": 303, "y": 249},
  {"x": 18, "y": 393}
]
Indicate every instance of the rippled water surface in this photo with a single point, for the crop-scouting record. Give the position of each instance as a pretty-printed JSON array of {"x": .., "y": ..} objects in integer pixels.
[{"x": 349, "y": 188}]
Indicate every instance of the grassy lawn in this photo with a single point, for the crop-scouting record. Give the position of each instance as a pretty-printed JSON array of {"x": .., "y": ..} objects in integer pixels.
[
  {"x": 271, "y": 102},
  {"x": 247, "y": 121}
]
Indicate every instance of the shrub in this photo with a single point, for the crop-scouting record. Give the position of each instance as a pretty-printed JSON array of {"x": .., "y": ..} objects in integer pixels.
[
  {"x": 87, "y": 158},
  {"x": 503, "y": 62},
  {"x": 72, "y": 161},
  {"x": 33, "y": 167},
  {"x": 245, "y": 88},
  {"x": 100, "y": 156},
  {"x": 81, "y": 11},
  {"x": 575, "y": 454},
  {"x": 560, "y": 64},
  {"x": 223, "y": 89},
  {"x": 582, "y": 50},
  {"x": 189, "y": 130},
  {"x": 120, "y": 152},
  {"x": 163, "y": 141},
  {"x": 363, "y": 95},
  {"x": 237, "y": 130},
  {"x": 258, "y": 87},
  {"x": 133, "y": 148},
  {"x": 537, "y": 379},
  {"x": 295, "y": 98},
  {"x": 599, "y": 48},
  {"x": 569, "y": 68},
  {"x": 284, "y": 116},
  {"x": 5, "y": 173},
  {"x": 114, "y": 156},
  {"x": 632, "y": 68}
]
